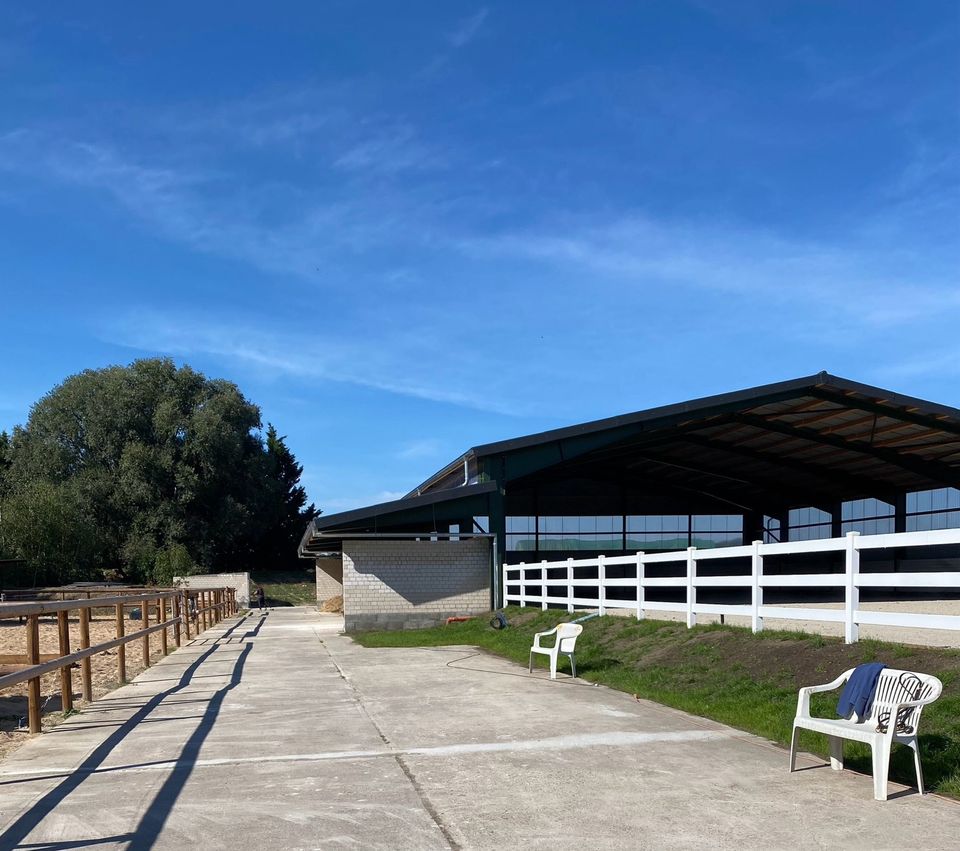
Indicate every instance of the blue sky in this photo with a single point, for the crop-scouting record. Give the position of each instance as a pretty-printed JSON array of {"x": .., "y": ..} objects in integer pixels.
[{"x": 404, "y": 229}]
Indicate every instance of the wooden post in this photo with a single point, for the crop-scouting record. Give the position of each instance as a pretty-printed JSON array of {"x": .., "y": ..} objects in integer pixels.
[
  {"x": 85, "y": 680},
  {"x": 175, "y": 610},
  {"x": 33, "y": 686},
  {"x": 66, "y": 678},
  {"x": 162, "y": 618},
  {"x": 122, "y": 649},
  {"x": 145, "y": 615},
  {"x": 185, "y": 611}
]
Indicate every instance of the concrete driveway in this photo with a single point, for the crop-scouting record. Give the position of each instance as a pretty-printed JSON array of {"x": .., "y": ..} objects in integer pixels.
[{"x": 276, "y": 732}]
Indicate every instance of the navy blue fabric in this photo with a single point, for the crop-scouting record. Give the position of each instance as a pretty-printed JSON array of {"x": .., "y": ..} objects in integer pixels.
[{"x": 857, "y": 694}]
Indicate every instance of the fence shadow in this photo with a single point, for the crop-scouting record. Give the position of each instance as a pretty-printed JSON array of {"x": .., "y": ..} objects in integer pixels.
[{"x": 147, "y": 831}]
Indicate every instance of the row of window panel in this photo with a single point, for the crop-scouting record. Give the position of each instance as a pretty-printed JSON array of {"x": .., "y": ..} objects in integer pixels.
[
  {"x": 939, "y": 499},
  {"x": 647, "y": 541},
  {"x": 858, "y": 509},
  {"x": 634, "y": 523}
]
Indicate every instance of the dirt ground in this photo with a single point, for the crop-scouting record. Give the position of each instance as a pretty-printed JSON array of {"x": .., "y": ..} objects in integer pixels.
[{"x": 103, "y": 669}]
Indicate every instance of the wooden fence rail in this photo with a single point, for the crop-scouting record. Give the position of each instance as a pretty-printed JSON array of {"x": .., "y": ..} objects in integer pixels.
[{"x": 170, "y": 609}]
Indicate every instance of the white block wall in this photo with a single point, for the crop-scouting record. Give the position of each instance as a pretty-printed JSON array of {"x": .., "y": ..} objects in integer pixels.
[
  {"x": 409, "y": 584},
  {"x": 240, "y": 581},
  {"x": 329, "y": 578}
]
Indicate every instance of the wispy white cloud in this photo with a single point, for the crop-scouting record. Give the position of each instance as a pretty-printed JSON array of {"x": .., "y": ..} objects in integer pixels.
[
  {"x": 417, "y": 449},
  {"x": 468, "y": 28},
  {"x": 862, "y": 286},
  {"x": 401, "y": 363},
  {"x": 210, "y": 211}
]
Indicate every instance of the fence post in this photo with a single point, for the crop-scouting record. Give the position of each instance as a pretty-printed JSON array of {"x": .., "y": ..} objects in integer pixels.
[
  {"x": 86, "y": 685},
  {"x": 175, "y": 614},
  {"x": 543, "y": 587},
  {"x": 162, "y": 618},
  {"x": 33, "y": 686},
  {"x": 185, "y": 611},
  {"x": 145, "y": 641},
  {"x": 570, "y": 588},
  {"x": 851, "y": 631},
  {"x": 122, "y": 649},
  {"x": 523, "y": 587},
  {"x": 641, "y": 578},
  {"x": 691, "y": 589},
  {"x": 756, "y": 596},
  {"x": 601, "y": 591},
  {"x": 503, "y": 577},
  {"x": 66, "y": 675}
]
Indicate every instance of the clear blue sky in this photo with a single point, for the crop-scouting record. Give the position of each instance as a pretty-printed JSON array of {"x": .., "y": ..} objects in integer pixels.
[{"x": 404, "y": 229}]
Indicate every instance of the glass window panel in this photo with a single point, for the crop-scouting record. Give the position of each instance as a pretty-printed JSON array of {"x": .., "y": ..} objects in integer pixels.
[
  {"x": 650, "y": 541},
  {"x": 551, "y": 524},
  {"x": 521, "y": 543},
  {"x": 953, "y": 498},
  {"x": 520, "y": 524}
]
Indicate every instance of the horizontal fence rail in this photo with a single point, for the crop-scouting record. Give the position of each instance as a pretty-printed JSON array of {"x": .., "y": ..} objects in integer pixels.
[
  {"x": 170, "y": 609},
  {"x": 520, "y": 579}
]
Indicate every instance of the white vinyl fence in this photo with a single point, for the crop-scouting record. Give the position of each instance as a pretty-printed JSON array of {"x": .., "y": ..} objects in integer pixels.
[{"x": 519, "y": 578}]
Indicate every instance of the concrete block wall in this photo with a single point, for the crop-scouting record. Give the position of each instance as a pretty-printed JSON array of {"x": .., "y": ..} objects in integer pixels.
[
  {"x": 240, "y": 581},
  {"x": 410, "y": 584},
  {"x": 329, "y": 578}
]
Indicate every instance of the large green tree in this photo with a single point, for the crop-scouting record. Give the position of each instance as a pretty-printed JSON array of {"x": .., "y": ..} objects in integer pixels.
[{"x": 137, "y": 468}]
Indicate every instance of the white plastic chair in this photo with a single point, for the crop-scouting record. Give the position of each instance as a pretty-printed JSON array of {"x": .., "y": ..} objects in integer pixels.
[
  {"x": 566, "y": 642},
  {"x": 898, "y": 702}
]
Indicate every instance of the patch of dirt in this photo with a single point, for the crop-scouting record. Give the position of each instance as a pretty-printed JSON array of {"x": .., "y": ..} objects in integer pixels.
[
  {"x": 333, "y": 605},
  {"x": 103, "y": 671}
]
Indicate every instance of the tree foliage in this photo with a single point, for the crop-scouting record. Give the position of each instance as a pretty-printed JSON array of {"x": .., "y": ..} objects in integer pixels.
[{"x": 145, "y": 470}]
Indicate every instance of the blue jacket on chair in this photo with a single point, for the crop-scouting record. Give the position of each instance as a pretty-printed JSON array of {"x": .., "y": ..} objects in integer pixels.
[{"x": 857, "y": 694}]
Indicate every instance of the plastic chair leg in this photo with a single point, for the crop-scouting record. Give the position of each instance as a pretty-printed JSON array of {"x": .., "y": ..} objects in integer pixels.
[
  {"x": 573, "y": 666},
  {"x": 531, "y": 662},
  {"x": 793, "y": 748},
  {"x": 912, "y": 744},
  {"x": 881, "y": 764},
  {"x": 836, "y": 753},
  {"x": 553, "y": 666}
]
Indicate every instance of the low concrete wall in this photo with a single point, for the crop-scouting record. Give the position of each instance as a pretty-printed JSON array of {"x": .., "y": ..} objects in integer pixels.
[
  {"x": 410, "y": 584},
  {"x": 240, "y": 581},
  {"x": 329, "y": 578}
]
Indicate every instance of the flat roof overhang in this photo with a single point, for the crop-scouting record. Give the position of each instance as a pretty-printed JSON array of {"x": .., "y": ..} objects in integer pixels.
[{"x": 423, "y": 513}]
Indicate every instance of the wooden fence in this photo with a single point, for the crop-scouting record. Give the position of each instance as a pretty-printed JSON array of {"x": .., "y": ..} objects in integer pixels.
[{"x": 171, "y": 610}]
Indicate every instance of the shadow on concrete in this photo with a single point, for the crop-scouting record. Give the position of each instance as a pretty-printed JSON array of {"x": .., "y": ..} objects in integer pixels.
[{"x": 147, "y": 831}]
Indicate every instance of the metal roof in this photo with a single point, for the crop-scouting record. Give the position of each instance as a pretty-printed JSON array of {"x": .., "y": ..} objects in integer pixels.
[{"x": 811, "y": 440}]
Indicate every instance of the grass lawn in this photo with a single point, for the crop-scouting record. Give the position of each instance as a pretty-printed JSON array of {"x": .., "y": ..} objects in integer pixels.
[
  {"x": 286, "y": 588},
  {"x": 730, "y": 675}
]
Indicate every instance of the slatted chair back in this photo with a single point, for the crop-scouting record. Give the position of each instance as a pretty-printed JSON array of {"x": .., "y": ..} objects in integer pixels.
[{"x": 895, "y": 687}]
